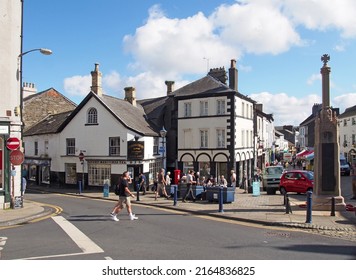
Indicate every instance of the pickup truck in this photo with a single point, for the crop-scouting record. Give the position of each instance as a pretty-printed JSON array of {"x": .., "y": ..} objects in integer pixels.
[{"x": 271, "y": 178}]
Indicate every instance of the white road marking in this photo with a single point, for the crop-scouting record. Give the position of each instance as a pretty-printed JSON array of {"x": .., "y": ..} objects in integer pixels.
[{"x": 83, "y": 241}]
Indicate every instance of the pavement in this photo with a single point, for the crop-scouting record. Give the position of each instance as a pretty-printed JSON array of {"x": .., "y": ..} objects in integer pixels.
[{"x": 263, "y": 209}]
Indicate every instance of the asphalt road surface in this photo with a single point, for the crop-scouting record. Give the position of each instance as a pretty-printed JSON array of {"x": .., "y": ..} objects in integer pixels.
[{"x": 85, "y": 231}]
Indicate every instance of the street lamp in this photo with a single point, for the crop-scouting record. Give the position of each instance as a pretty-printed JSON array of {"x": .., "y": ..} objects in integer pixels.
[
  {"x": 19, "y": 62},
  {"x": 163, "y": 134}
]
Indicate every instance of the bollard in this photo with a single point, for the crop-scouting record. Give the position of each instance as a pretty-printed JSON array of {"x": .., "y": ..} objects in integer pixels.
[
  {"x": 332, "y": 206},
  {"x": 221, "y": 200},
  {"x": 175, "y": 195},
  {"x": 80, "y": 187},
  {"x": 287, "y": 204},
  {"x": 138, "y": 192},
  {"x": 309, "y": 207}
]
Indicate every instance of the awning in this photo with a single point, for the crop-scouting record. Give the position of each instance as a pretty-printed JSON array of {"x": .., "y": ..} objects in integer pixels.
[
  {"x": 305, "y": 153},
  {"x": 309, "y": 156},
  {"x": 302, "y": 153}
]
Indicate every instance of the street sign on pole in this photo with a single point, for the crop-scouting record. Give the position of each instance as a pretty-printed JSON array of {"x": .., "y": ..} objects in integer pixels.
[
  {"x": 81, "y": 156},
  {"x": 12, "y": 143},
  {"x": 17, "y": 157}
]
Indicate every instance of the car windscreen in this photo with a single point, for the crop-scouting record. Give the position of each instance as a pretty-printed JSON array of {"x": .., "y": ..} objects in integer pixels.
[
  {"x": 274, "y": 171},
  {"x": 309, "y": 175}
]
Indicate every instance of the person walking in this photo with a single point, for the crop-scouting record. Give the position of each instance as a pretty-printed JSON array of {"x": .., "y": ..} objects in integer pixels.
[
  {"x": 142, "y": 182},
  {"x": 161, "y": 185},
  {"x": 124, "y": 197},
  {"x": 233, "y": 178},
  {"x": 190, "y": 182}
]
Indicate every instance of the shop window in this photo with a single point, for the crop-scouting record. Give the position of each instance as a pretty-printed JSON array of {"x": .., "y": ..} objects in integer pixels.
[{"x": 98, "y": 173}]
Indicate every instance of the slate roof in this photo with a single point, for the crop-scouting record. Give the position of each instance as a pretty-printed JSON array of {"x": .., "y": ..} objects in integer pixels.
[
  {"x": 134, "y": 118},
  {"x": 37, "y": 95},
  {"x": 48, "y": 125},
  {"x": 155, "y": 109},
  {"x": 130, "y": 116},
  {"x": 349, "y": 112},
  {"x": 208, "y": 86}
]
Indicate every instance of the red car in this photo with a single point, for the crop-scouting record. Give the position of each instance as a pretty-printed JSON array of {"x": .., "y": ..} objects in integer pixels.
[{"x": 299, "y": 181}]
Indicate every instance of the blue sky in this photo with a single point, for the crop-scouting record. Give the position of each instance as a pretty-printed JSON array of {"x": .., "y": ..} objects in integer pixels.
[{"x": 142, "y": 43}]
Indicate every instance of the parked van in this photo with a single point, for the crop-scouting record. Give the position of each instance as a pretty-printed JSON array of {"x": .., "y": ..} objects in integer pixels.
[
  {"x": 271, "y": 178},
  {"x": 344, "y": 166}
]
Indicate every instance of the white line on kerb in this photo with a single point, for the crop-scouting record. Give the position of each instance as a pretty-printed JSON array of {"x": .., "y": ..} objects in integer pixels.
[{"x": 83, "y": 241}]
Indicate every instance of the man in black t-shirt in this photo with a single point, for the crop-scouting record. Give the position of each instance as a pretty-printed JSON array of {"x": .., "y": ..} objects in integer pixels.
[{"x": 124, "y": 197}]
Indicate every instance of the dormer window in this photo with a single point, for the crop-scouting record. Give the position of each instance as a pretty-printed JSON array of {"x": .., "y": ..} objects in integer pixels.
[{"x": 92, "y": 116}]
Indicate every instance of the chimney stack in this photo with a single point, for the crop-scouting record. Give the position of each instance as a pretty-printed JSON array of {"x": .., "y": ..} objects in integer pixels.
[
  {"x": 170, "y": 85},
  {"x": 96, "y": 81},
  {"x": 130, "y": 95},
  {"x": 233, "y": 75},
  {"x": 28, "y": 89}
]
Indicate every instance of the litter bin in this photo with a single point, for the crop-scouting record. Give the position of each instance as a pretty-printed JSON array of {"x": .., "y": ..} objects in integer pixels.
[{"x": 256, "y": 188}]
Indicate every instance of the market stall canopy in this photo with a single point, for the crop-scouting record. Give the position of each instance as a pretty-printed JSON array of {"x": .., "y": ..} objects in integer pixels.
[
  {"x": 309, "y": 156},
  {"x": 305, "y": 153}
]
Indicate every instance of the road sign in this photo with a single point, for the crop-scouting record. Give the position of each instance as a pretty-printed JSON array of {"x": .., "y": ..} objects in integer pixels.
[
  {"x": 12, "y": 143},
  {"x": 162, "y": 149},
  {"x": 81, "y": 156},
  {"x": 17, "y": 157}
]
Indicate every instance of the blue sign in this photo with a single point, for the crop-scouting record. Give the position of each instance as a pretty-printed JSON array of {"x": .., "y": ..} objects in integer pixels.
[{"x": 162, "y": 149}]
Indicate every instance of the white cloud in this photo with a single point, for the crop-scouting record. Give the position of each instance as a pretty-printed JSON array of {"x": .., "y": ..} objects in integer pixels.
[
  {"x": 323, "y": 15},
  {"x": 344, "y": 101},
  {"x": 77, "y": 85},
  {"x": 255, "y": 27},
  {"x": 286, "y": 109},
  {"x": 171, "y": 46},
  {"x": 313, "y": 78}
]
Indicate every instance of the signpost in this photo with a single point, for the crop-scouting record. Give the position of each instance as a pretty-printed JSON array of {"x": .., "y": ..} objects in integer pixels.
[{"x": 13, "y": 143}]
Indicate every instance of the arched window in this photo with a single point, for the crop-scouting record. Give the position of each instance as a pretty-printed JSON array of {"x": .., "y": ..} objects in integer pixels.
[{"x": 92, "y": 116}]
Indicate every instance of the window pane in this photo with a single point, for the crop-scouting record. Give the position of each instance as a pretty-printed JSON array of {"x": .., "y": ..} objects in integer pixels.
[
  {"x": 92, "y": 115},
  {"x": 70, "y": 146},
  {"x": 114, "y": 146}
]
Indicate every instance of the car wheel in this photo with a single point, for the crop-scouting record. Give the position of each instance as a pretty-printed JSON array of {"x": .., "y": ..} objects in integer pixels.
[{"x": 282, "y": 190}]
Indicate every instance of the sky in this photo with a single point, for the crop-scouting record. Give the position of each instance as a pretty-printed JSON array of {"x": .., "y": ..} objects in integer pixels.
[{"x": 277, "y": 44}]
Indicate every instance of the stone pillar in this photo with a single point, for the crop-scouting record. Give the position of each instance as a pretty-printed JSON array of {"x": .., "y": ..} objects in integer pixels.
[{"x": 326, "y": 151}]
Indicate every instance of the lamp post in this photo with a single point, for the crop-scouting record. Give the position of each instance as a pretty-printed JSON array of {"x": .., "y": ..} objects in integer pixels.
[
  {"x": 163, "y": 134},
  {"x": 19, "y": 62}
]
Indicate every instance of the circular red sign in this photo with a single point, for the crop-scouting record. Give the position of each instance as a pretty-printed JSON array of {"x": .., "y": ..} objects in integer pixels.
[
  {"x": 81, "y": 156},
  {"x": 12, "y": 143},
  {"x": 17, "y": 157}
]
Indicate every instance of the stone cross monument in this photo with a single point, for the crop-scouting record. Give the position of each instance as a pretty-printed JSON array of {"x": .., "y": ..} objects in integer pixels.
[{"x": 326, "y": 150}]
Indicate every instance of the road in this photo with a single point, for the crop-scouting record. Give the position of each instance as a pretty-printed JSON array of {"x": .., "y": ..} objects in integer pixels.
[{"x": 84, "y": 231}]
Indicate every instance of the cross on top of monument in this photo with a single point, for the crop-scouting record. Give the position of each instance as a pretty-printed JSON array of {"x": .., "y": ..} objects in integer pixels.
[{"x": 325, "y": 58}]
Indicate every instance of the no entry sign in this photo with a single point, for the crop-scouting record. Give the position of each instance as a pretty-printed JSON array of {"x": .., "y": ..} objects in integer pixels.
[
  {"x": 12, "y": 143},
  {"x": 17, "y": 157}
]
